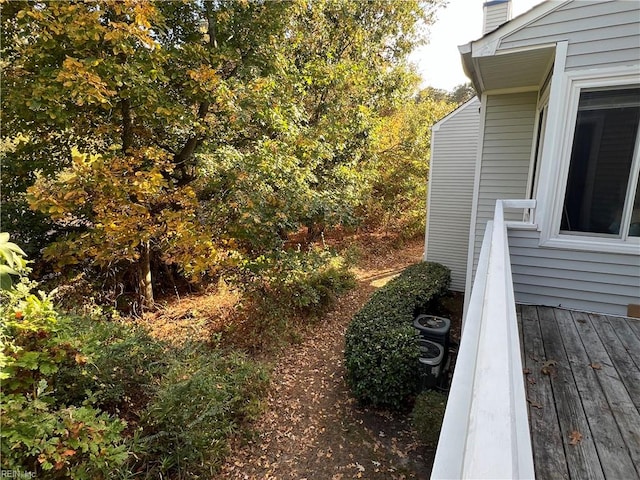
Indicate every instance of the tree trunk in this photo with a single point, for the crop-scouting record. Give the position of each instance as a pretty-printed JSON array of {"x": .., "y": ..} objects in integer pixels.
[
  {"x": 145, "y": 286},
  {"x": 314, "y": 231}
]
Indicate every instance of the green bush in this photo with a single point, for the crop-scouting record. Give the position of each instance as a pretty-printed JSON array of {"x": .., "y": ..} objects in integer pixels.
[
  {"x": 39, "y": 433},
  {"x": 300, "y": 282},
  {"x": 202, "y": 401},
  {"x": 427, "y": 416},
  {"x": 68, "y": 382},
  {"x": 381, "y": 348},
  {"x": 119, "y": 366},
  {"x": 59, "y": 442}
]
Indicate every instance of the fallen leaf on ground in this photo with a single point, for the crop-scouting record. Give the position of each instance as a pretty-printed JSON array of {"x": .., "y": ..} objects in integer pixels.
[
  {"x": 311, "y": 426},
  {"x": 595, "y": 366},
  {"x": 575, "y": 438},
  {"x": 548, "y": 367}
]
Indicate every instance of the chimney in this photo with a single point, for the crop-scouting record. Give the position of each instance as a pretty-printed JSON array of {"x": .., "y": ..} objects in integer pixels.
[{"x": 496, "y": 12}]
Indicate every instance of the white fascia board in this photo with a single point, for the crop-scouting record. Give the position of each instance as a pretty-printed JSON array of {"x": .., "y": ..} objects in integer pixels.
[
  {"x": 464, "y": 49},
  {"x": 487, "y": 45},
  {"x": 469, "y": 68}
]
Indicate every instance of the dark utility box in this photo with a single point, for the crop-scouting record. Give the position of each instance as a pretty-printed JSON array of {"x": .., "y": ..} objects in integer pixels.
[
  {"x": 431, "y": 363},
  {"x": 434, "y": 328}
]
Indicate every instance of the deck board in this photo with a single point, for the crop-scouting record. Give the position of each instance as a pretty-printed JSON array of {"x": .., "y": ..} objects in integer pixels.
[
  {"x": 629, "y": 336},
  {"x": 614, "y": 386},
  {"x": 582, "y": 377},
  {"x": 620, "y": 356},
  {"x": 549, "y": 456},
  {"x": 598, "y": 385}
]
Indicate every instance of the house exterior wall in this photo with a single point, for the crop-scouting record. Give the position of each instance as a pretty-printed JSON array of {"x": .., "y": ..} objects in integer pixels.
[
  {"x": 506, "y": 155},
  {"x": 600, "y": 33},
  {"x": 590, "y": 281},
  {"x": 453, "y": 160}
]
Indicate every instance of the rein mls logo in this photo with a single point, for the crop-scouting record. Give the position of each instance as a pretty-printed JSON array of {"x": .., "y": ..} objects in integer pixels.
[{"x": 16, "y": 474}]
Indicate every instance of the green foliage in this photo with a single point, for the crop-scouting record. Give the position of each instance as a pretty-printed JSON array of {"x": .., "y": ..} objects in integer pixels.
[
  {"x": 39, "y": 433},
  {"x": 12, "y": 261},
  {"x": 186, "y": 135},
  {"x": 381, "y": 347},
  {"x": 117, "y": 370},
  {"x": 37, "y": 342},
  {"x": 459, "y": 95},
  {"x": 254, "y": 196},
  {"x": 69, "y": 442},
  {"x": 68, "y": 382},
  {"x": 462, "y": 93},
  {"x": 298, "y": 282},
  {"x": 120, "y": 98},
  {"x": 203, "y": 399},
  {"x": 427, "y": 416},
  {"x": 398, "y": 197}
]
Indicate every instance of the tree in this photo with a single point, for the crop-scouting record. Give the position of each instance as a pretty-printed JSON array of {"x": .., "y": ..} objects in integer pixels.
[
  {"x": 432, "y": 93},
  {"x": 352, "y": 57},
  {"x": 403, "y": 150},
  {"x": 120, "y": 96},
  {"x": 462, "y": 93},
  {"x": 189, "y": 134}
]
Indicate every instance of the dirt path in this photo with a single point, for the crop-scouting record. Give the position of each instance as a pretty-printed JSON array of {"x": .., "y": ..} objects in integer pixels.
[{"x": 312, "y": 429}]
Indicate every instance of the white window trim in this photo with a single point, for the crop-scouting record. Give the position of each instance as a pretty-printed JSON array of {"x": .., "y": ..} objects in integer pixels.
[
  {"x": 556, "y": 172},
  {"x": 537, "y": 148}
]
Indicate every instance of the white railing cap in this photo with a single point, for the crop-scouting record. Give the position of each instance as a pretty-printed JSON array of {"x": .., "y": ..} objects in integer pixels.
[{"x": 485, "y": 432}]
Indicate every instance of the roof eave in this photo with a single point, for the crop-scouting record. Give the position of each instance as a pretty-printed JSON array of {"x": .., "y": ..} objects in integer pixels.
[
  {"x": 469, "y": 67},
  {"x": 488, "y": 44}
]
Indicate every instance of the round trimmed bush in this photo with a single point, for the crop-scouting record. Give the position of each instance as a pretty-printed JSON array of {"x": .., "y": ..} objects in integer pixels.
[{"x": 381, "y": 345}]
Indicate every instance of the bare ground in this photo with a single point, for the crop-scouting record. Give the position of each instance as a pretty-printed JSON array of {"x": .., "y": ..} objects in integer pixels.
[{"x": 312, "y": 428}]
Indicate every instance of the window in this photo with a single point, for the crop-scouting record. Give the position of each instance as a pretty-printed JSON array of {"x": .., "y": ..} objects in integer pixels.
[{"x": 601, "y": 197}]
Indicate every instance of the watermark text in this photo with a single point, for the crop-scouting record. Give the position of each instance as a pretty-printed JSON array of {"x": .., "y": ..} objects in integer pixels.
[{"x": 17, "y": 474}]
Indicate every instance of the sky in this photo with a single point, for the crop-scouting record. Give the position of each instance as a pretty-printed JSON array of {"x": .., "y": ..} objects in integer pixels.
[{"x": 458, "y": 23}]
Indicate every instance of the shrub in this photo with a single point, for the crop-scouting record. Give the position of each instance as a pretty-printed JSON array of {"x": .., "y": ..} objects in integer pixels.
[
  {"x": 299, "y": 282},
  {"x": 12, "y": 261},
  {"x": 202, "y": 401},
  {"x": 119, "y": 368},
  {"x": 381, "y": 348},
  {"x": 39, "y": 433},
  {"x": 427, "y": 416},
  {"x": 71, "y": 442},
  {"x": 285, "y": 290},
  {"x": 66, "y": 380}
]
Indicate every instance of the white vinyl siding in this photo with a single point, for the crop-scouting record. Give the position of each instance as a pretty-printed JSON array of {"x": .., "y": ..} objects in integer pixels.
[
  {"x": 590, "y": 281},
  {"x": 599, "y": 33},
  {"x": 454, "y": 148},
  {"x": 506, "y": 155}
]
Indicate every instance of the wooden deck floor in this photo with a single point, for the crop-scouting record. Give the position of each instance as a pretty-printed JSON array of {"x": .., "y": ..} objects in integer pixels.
[{"x": 582, "y": 373}]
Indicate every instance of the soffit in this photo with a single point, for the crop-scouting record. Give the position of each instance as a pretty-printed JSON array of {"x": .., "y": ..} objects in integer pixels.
[{"x": 513, "y": 70}]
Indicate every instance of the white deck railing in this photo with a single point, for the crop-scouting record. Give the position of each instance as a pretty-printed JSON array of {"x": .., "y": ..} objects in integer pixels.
[{"x": 485, "y": 432}]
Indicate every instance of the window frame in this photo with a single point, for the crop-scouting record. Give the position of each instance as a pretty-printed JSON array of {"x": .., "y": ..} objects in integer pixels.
[
  {"x": 551, "y": 236},
  {"x": 537, "y": 150}
]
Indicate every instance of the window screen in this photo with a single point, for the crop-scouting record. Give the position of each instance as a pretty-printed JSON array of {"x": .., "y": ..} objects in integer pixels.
[{"x": 601, "y": 161}]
